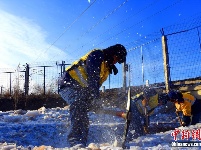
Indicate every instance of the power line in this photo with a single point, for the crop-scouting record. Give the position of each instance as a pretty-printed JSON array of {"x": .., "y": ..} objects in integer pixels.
[
  {"x": 105, "y": 17},
  {"x": 143, "y": 44},
  {"x": 140, "y": 22},
  {"x": 148, "y": 6},
  {"x": 111, "y": 28},
  {"x": 184, "y": 30},
  {"x": 123, "y": 21},
  {"x": 68, "y": 27},
  {"x": 118, "y": 24},
  {"x": 112, "y": 12}
]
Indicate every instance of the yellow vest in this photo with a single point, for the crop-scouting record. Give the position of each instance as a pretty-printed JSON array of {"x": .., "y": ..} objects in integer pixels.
[
  {"x": 78, "y": 71},
  {"x": 185, "y": 107},
  {"x": 152, "y": 102}
]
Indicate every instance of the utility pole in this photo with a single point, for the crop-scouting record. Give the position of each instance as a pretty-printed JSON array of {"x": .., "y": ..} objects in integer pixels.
[
  {"x": 109, "y": 81},
  {"x": 44, "y": 76},
  {"x": 63, "y": 66},
  {"x": 1, "y": 90},
  {"x": 125, "y": 69},
  {"x": 58, "y": 84},
  {"x": 142, "y": 61},
  {"x": 10, "y": 79},
  {"x": 26, "y": 84},
  {"x": 129, "y": 75},
  {"x": 166, "y": 61}
]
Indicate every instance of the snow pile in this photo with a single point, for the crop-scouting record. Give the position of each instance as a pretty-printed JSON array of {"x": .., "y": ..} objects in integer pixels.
[{"x": 48, "y": 129}]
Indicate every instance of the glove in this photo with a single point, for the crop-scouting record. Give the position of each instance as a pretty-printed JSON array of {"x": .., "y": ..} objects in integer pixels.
[
  {"x": 121, "y": 114},
  {"x": 183, "y": 124},
  {"x": 113, "y": 69}
]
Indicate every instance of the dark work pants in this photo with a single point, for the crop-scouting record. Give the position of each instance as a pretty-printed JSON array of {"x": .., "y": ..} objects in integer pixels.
[
  {"x": 195, "y": 118},
  {"x": 196, "y": 112},
  {"x": 80, "y": 103},
  {"x": 136, "y": 124},
  {"x": 79, "y": 123}
]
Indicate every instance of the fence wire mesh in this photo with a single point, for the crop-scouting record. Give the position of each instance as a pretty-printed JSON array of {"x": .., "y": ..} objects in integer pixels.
[
  {"x": 145, "y": 61},
  {"x": 184, "y": 51},
  {"x": 184, "y": 47}
]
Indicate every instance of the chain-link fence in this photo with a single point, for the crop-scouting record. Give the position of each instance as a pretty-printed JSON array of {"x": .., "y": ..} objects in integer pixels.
[
  {"x": 36, "y": 78},
  {"x": 145, "y": 62},
  {"x": 183, "y": 50}
]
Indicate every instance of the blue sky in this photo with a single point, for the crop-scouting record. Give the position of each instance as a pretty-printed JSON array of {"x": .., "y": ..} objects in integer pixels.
[
  {"x": 42, "y": 30},
  {"x": 51, "y": 30}
]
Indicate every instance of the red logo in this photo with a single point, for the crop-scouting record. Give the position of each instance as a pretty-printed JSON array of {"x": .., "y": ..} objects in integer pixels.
[{"x": 186, "y": 134}]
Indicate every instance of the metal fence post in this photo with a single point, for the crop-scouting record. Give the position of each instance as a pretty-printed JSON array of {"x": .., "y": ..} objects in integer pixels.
[{"x": 166, "y": 62}]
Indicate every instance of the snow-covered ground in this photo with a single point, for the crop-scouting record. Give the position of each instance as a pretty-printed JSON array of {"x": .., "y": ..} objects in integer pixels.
[{"x": 48, "y": 128}]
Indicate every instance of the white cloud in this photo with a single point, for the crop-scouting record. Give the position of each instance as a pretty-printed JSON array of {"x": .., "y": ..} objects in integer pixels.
[{"x": 23, "y": 41}]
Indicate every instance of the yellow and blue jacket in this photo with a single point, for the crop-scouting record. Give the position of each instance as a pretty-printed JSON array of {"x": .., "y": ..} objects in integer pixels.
[
  {"x": 89, "y": 71},
  {"x": 185, "y": 107},
  {"x": 148, "y": 98}
]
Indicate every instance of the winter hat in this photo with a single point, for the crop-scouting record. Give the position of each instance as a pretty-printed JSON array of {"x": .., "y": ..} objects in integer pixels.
[{"x": 175, "y": 95}]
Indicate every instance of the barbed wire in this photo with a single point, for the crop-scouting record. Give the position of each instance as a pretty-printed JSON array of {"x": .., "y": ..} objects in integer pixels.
[
  {"x": 147, "y": 18},
  {"x": 113, "y": 11},
  {"x": 123, "y": 21},
  {"x": 184, "y": 52},
  {"x": 76, "y": 19},
  {"x": 98, "y": 22},
  {"x": 105, "y": 17}
]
